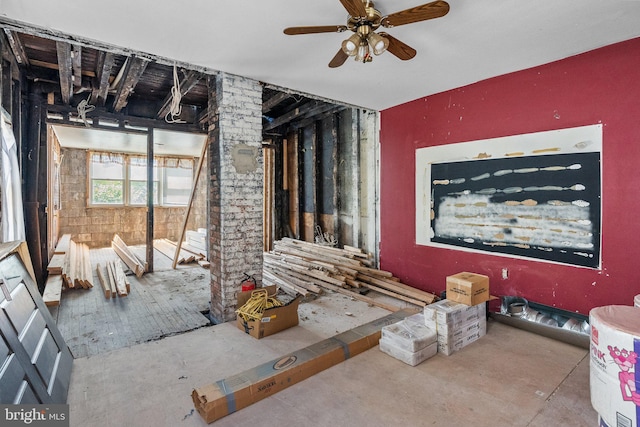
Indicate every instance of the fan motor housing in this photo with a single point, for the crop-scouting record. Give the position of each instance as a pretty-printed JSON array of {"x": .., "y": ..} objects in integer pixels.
[{"x": 373, "y": 19}]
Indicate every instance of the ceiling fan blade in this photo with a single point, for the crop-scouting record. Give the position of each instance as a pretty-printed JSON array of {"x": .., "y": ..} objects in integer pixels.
[
  {"x": 338, "y": 60},
  {"x": 317, "y": 29},
  {"x": 355, "y": 8},
  {"x": 431, "y": 10},
  {"x": 398, "y": 48}
]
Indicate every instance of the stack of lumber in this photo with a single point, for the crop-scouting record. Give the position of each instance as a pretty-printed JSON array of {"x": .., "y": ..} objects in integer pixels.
[
  {"x": 63, "y": 244},
  {"x": 197, "y": 240},
  {"x": 53, "y": 287},
  {"x": 187, "y": 254},
  {"x": 113, "y": 280},
  {"x": 70, "y": 267},
  {"x": 128, "y": 257},
  {"x": 76, "y": 272},
  {"x": 308, "y": 268}
]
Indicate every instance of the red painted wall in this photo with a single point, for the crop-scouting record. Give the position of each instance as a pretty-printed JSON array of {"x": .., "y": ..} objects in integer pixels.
[{"x": 600, "y": 86}]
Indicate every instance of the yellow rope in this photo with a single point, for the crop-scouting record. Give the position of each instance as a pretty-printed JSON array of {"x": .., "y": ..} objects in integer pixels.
[{"x": 257, "y": 304}]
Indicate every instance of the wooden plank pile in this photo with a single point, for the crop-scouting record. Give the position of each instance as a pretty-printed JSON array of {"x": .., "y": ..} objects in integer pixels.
[
  {"x": 63, "y": 244},
  {"x": 69, "y": 268},
  {"x": 188, "y": 253},
  {"x": 308, "y": 268},
  {"x": 53, "y": 290},
  {"x": 136, "y": 265},
  {"x": 113, "y": 280},
  {"x": 197, "y": 240},
  {"x": 76, "y": 272}
]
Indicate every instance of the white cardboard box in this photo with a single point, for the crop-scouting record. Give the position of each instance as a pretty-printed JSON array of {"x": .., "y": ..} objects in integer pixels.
[
  {"x": 410, "y": 336},
  {"x": 448, "y": 345},
  {"x": 457, "y": 331},
  {"x": 410, "y": 358},
  {"x": 452, "y": 313}
]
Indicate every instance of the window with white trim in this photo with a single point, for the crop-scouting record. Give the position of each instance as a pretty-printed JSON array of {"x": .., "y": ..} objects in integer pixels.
[{"x": 121, "y": 180}]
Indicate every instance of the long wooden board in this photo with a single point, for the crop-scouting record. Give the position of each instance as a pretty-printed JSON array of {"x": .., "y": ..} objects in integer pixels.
[
  {"x": 63, "y": 244},
  {"x": 103, "y": 282},
  {"x": 56, "y": 264},
  {"x": 118, "y": 245},
  {"x": 399, "y": 288},
  {"x": 53, "y": 291}
]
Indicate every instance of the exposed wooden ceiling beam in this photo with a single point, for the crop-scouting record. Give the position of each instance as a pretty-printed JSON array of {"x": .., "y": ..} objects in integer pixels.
[
  {"x": 50, "y": 66},
  {"x": 293, "y": 114},
  {"x": 134, "y": 69},
  {"x": 76, "y": 57},
  {"x": 273, "y": 102},
  {"x": 203, "y": 117},
  {"x": 317, "y": 114},
  {"x": 104, "y": 65},
  {"x": 65, "y": 70},
  {"x": 17, "y": 48},
  {"x": 186, "y": 84}
]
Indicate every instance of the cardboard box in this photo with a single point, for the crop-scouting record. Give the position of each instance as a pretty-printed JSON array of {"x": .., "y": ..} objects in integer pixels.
[
  {"x": 228, "y": 395},
  {"x": 468, "y": 288},
  {"x": 408, "y": 357},
  {"x": 460, "y": 337},
  {"x": 451, "y": 313},
  {"x": 447, "y": 347},
  {"x": 464, "y": 329},
  {"x": 273, "y": 319},
  {"x": 409, "y": 336}
]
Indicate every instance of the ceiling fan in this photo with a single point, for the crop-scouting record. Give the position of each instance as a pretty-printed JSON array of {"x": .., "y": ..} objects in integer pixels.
[{"x": 364, "y": 19}]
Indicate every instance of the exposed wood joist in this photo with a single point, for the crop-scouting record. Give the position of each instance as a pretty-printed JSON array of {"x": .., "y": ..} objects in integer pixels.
[
  {"x": 203, "y": 117},
  {"x": 186, "y": 84},
  {"x": 125, "y": 122},
  {"x": 76, "y": 58},
  {"x": 317, "y": 114},
  {"x": 106, "y": 60},
  {"x": 65, "y": 70},
  {"x": 274, "y": 101},
  {"x": 294, "y": 114},
  {"x": 17, "y": 48},
  {"x": 51, "y": 66},
  {"x": 132, "y": 73}
]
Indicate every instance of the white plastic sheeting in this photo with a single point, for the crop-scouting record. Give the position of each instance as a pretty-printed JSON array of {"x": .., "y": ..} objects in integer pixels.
[{"x": 12, "y": 213}]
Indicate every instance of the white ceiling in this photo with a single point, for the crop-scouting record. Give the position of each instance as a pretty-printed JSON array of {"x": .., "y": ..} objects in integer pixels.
[
  {"x": 478, "y": 39},
  {"x": 165, "y": 142}
]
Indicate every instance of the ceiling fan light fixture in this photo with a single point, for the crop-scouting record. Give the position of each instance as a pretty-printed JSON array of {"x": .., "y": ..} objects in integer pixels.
[
  {"x": 378, "y": 43},
  {"x": 350, "y": 45},
  {"x": 363, "y": 54}
]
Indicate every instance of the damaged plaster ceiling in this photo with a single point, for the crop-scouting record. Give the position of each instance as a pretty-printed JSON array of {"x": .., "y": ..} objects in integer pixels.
[{"x": 476, "y": 40}]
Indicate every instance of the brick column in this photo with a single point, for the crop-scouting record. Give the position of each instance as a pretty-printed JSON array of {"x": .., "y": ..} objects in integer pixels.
[{"x": 235, "y": 188}]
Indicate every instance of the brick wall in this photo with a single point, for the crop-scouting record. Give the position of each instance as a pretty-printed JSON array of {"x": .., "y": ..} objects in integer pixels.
[
  {"x": 96, "y": 226},
  {"x": 235, "y": 188}
]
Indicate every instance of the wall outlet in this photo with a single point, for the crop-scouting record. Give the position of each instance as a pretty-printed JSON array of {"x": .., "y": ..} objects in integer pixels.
[{"x": 505, "y": 274}]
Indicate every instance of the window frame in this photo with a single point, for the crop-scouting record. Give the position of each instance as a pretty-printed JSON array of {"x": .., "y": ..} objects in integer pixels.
[{"x": 159, "y": 161}]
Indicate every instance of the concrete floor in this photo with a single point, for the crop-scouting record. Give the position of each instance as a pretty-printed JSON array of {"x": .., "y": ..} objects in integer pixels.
[{"x": 510, "y": 377}]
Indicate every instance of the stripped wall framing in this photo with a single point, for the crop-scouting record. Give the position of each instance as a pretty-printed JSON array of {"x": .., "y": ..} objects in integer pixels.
[{"x": 324, "y": 174}]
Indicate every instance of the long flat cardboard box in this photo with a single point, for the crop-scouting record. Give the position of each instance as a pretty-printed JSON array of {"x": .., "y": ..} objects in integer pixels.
[{"x": 231, "y": 394}]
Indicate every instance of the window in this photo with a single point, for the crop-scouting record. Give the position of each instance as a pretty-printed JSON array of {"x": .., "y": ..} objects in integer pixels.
[
  {"x": 107, "y": 179},
  {"x": 138, "y": 181},
  {"x": 121, "y": 180},
  {"x": 177, "y": 182}
]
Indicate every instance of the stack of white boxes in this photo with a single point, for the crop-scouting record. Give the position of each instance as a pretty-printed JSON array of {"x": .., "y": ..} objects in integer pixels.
[
  {"x": 409, "y": 340},
  {"x": 457, "y": 324}
]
